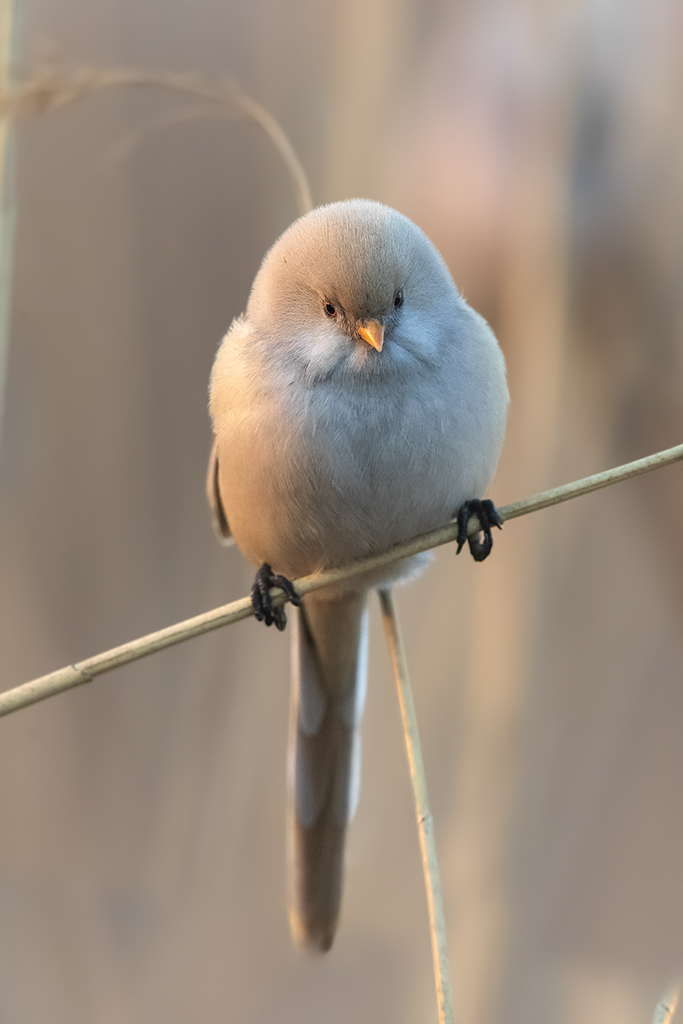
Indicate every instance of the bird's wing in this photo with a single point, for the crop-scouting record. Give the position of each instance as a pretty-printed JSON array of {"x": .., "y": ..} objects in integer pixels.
[{"x": 219, "y": 519}]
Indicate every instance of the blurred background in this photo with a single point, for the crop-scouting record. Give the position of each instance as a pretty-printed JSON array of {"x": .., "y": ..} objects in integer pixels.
[{"x": 539, "y": 144}]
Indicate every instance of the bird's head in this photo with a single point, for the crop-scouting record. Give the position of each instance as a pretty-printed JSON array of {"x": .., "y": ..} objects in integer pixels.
[{"x": 356, "y": 287}]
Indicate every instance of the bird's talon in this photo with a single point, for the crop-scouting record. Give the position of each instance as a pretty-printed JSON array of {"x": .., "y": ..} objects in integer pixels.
[
  {"x": 262, "y": 602},
  {"x": 279, "y": 618},
  {"x": 488, "y": 517}
]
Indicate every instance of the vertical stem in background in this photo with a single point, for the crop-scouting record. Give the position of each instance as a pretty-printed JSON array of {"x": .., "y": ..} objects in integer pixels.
[
  {"x": 666, "y": 1007},
  {"x": 7, "y": 208},
  {"x": 364, "y": 92},
  {"x": 507, "y": 593},
  {"x": 425, "y": 824}
]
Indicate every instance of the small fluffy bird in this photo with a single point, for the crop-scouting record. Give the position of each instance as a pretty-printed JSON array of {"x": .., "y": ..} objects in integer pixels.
[{"x": 358, "y": 402}]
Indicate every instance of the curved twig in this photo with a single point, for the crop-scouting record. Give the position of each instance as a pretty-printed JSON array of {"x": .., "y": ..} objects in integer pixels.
[{"x": 49, "y": 90}]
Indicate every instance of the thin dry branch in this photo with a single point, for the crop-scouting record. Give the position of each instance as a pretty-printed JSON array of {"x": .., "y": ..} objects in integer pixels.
[
  {"x": 425, "y": 822},
  {"x": 85, "y": 671},
  {"x": 49, "y": 89}
]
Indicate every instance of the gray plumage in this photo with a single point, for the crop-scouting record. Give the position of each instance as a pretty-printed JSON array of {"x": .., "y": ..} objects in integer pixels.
[{"x": 358, "y": 402}]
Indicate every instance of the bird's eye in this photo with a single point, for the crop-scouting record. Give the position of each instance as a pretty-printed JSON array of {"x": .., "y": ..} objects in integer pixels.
[
  {"x": 329, "y": 309},
  {"x": 398, "y": 298}
]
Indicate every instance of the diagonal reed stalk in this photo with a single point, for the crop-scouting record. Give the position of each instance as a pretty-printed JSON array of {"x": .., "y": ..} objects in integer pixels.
[{"x": 86, "y": 670}]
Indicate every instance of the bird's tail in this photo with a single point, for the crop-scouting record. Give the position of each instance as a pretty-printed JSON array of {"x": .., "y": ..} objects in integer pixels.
[{"x": 329, "y": 676}]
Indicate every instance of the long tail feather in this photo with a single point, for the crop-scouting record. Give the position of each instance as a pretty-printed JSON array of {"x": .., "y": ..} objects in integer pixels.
[{"x": 329, "y": 677}]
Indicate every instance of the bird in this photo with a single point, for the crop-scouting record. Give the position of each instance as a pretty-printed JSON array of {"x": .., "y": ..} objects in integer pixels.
[{"x": 359, "y": 401}]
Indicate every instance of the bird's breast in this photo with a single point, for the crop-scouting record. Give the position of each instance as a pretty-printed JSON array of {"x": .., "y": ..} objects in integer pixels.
[{"x": 315, "y": 478}]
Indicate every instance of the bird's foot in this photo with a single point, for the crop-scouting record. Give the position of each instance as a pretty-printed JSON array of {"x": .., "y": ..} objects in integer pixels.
[
  {"x": 262, "y": 601},
  {"x": 486, "y": 513}
]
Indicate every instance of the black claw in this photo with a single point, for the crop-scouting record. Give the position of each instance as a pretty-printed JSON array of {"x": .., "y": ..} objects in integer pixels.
[
  {"x": 486, "y": 513},
  {"x": 262, "y": 601}
]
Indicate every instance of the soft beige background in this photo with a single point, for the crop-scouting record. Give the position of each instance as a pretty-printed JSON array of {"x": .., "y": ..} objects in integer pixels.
[{"x": 141, "y": 853}]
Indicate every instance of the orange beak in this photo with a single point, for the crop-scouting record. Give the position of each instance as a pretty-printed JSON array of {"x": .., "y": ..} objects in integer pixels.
[{"x": 373, "y": 333}]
